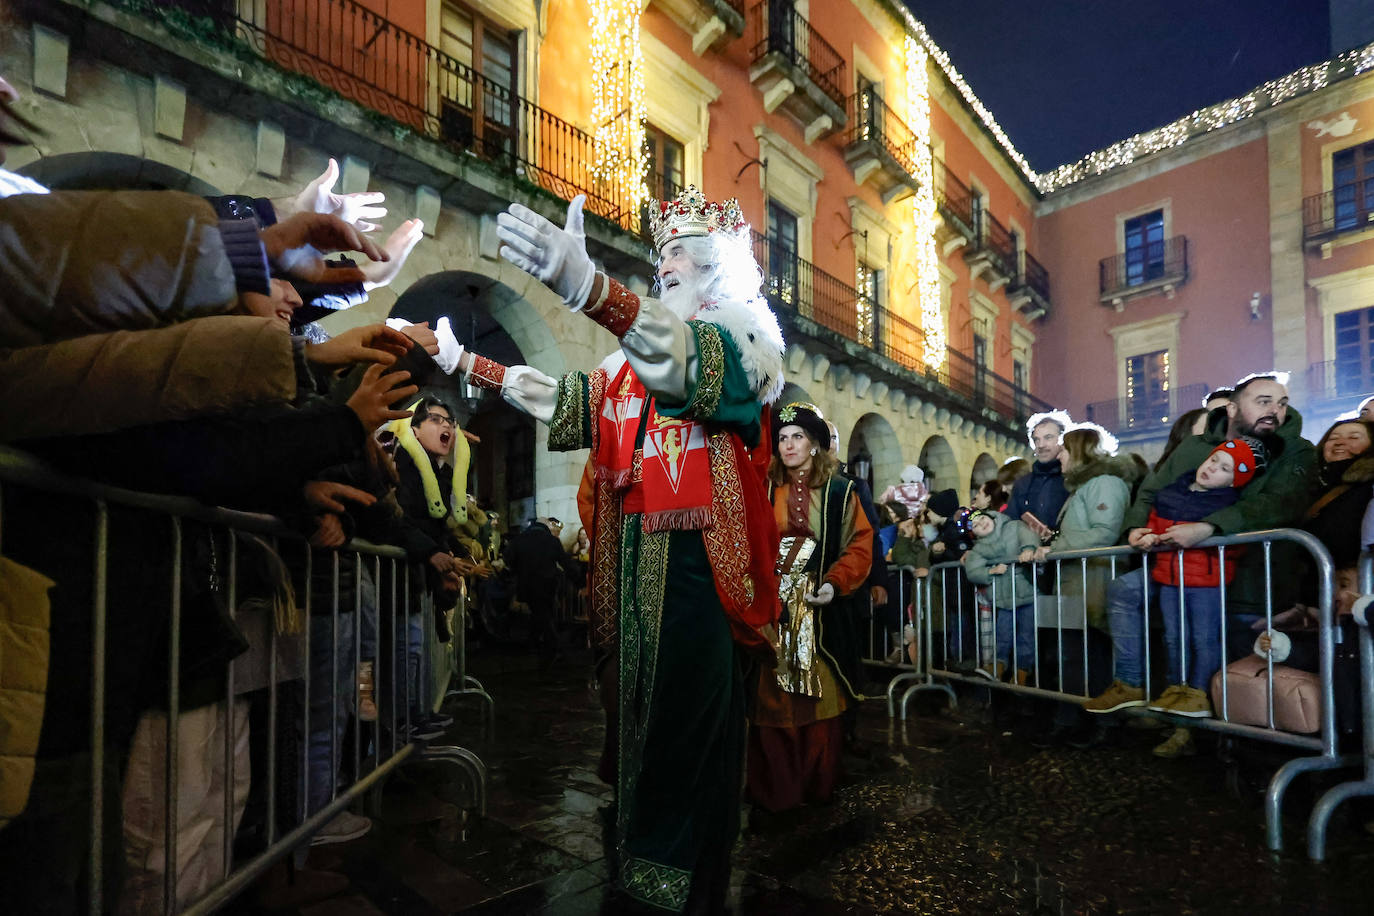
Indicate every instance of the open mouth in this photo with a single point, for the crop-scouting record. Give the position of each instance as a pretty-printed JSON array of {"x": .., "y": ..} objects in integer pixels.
[
  {"x": 671, "y": 283},
  {"x": 284, "y": 315},
  {"x": 445, "y": 438}
]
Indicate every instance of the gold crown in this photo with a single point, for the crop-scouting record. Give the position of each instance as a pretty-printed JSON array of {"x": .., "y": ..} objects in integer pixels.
[{"x": 691, "y": 214}]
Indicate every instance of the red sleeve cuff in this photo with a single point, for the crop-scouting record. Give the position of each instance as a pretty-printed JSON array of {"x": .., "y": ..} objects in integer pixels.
[
  {"x": 612, "y": 306},
  {"x": 486, "y": 373}
]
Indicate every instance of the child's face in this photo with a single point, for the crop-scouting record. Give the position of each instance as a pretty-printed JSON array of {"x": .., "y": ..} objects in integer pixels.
[
  {"x": 982, "y": 526},
  {"x": 981, "y": 500},
  {"x": 1219, "y": 470}
]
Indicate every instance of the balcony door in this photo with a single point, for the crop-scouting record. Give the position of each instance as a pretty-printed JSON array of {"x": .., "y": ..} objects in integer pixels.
[
  {"x": 782, "y": 256},
  {"x": 1354, "y": 363},
  {"x": 1144, "y": 247},
  {"x": 1352, "y": 186},
  {"x": 477, "y": 81}
]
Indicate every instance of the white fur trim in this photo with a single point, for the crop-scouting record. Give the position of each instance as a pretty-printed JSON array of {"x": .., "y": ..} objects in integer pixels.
[{"x": 753, "y": 327}]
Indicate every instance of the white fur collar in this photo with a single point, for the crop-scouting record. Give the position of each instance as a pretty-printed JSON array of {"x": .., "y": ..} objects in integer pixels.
[{"x": 753, "y": 327}]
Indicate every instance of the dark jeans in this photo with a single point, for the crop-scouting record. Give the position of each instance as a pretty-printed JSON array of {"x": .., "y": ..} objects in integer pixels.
[{"x": 1192, "y": 638}]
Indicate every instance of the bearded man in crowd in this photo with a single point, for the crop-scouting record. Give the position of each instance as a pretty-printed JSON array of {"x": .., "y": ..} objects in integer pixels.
[{"x": 683, "y": 537}]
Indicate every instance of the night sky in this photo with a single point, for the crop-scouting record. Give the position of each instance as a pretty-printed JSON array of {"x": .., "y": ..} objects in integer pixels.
[{"x": 1065, "y": 77}]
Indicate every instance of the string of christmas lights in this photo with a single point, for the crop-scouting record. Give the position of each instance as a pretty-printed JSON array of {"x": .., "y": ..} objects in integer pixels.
[
  {"x": 618, "y": 107},
  {"x": 1213, "y": 117},
  {"x": 924, "y": 217}
]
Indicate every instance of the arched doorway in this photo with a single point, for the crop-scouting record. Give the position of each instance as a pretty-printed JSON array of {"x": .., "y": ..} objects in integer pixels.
[
  {"x": 489, "y": 318},
  {"x": 873, "y": 437},
  {"x": 984, "y": 469},
  {"x": 103, "y": 171},
  {"x": 937, "y": 460}
]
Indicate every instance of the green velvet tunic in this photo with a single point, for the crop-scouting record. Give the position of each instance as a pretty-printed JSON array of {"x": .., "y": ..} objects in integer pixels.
[{"x": 681, "y": 725}]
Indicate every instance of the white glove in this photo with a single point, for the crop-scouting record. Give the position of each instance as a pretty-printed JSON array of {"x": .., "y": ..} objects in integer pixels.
[
  {"x": 1279, "y": 646},
  {"x": 450, "y": 350},
  {"x": 823, "y": 595},
  {"x": 556, "y": 257}
]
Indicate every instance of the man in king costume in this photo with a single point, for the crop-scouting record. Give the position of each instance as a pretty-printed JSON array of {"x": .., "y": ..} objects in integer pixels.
[{"x": 683, "y": 536}]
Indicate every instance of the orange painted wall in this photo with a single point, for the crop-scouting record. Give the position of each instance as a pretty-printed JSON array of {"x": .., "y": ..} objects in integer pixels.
[{"x": 1221, "y": 204}]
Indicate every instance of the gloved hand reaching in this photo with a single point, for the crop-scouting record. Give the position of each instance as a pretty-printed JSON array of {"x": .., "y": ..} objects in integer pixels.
[
  {"x": 823, "y": 595},
  {"x": 556, "y": 257}
]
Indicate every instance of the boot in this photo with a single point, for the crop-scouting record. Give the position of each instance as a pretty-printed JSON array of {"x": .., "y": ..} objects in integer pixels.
[{"x": 367, "y": 700}]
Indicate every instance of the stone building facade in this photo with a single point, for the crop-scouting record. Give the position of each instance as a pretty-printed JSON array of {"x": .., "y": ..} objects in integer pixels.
[{"x": 246, "y": 98}]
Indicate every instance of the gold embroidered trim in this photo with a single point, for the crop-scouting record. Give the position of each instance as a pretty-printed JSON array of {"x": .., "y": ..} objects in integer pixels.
[
  {"x": 658, "y": 885},
  {"x": 486, "y": 373},
  {"x": 566, "y": 429},
  {"x": 604, "y": 611},
  {"x": 616, "y": 310},
  {"x": 642, "y": 588},
  {"x": 711, "y": 382},
  {"x": 727, "y": 540}
]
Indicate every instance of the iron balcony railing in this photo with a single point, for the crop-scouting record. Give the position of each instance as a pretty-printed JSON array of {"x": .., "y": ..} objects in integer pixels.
[
  {"x": 1339, "y": 380},
  {"x": 784, "y": 31},
  {"x": 996, "y": 241},
  {"x": 370, "y": 60},
  {"x": 1035, "y": 277},
  {"x": 1147, "y": 415},
  {"x": 795, "y": 285},
  {"x": 1155, "y": 264},
  {"x": 963, "y": 374},
  {"x": 872, "y": 121},
  {"x": 953, "y": 198},
  {"x": 1349, "y": 208}
]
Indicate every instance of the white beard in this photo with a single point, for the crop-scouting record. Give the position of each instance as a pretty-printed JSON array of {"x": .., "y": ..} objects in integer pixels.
[{"x": 683, "y": 300}]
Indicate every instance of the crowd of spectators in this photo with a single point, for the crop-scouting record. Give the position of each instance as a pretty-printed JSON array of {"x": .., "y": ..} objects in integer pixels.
[
  {"x": 170, "y": 344},
  {"x": 1236, "y": 464}
]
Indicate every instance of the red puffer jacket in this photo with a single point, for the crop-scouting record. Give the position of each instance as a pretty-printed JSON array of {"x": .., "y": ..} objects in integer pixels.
[{"x": 1202, "y": 567}]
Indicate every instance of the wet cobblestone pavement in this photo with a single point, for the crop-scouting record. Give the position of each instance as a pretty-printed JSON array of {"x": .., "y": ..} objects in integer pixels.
[{"x": 949, "y": 814}]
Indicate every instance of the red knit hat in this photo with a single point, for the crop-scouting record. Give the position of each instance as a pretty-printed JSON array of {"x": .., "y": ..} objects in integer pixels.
[{"x": 1249, "y": 455}]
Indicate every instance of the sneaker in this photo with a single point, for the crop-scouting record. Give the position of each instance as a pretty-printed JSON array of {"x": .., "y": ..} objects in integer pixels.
[
  {"x": 344, "y": 828},
  {"x": 990, "y": 674},
  {"x": 442, "y": 720},
  {"x": 1192, "y": 702},
  {"x": 1178, "y": 744},
  {"x": 367, "y": 700},
  {"x": 423, "y": 730},
  {"x": 1172, "y": 694},
  {"x": 1117, "y": 696}
]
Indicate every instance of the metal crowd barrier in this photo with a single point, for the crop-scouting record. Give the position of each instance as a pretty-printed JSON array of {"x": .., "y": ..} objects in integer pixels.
[
  {"x": 391, "y": 744},
  {"x": 951, "y": 616},
  {"x": 881, "y": 644},
  {"x": 1332, "y": 799}
]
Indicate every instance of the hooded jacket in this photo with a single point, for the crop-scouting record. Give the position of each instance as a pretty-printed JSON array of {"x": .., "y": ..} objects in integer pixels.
[
  {"x": 1099, "y": 492},
  {"x": 1008, "y": 539},
  {"x": 1276, "y": 499},
  {"x": 1337, "y": 523}
]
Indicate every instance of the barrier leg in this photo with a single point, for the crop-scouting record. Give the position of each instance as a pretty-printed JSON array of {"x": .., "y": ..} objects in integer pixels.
[{"x": 1273, "y": 798}]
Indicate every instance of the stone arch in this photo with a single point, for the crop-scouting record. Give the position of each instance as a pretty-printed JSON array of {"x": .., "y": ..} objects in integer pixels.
[
  {"x": 984, "y": 469},
  {"x": 491, "y": 319},
  {"x": 874, "y": 434},
  {"x": 938, "y": 461},
  {"x": 106, "y": 171}
]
